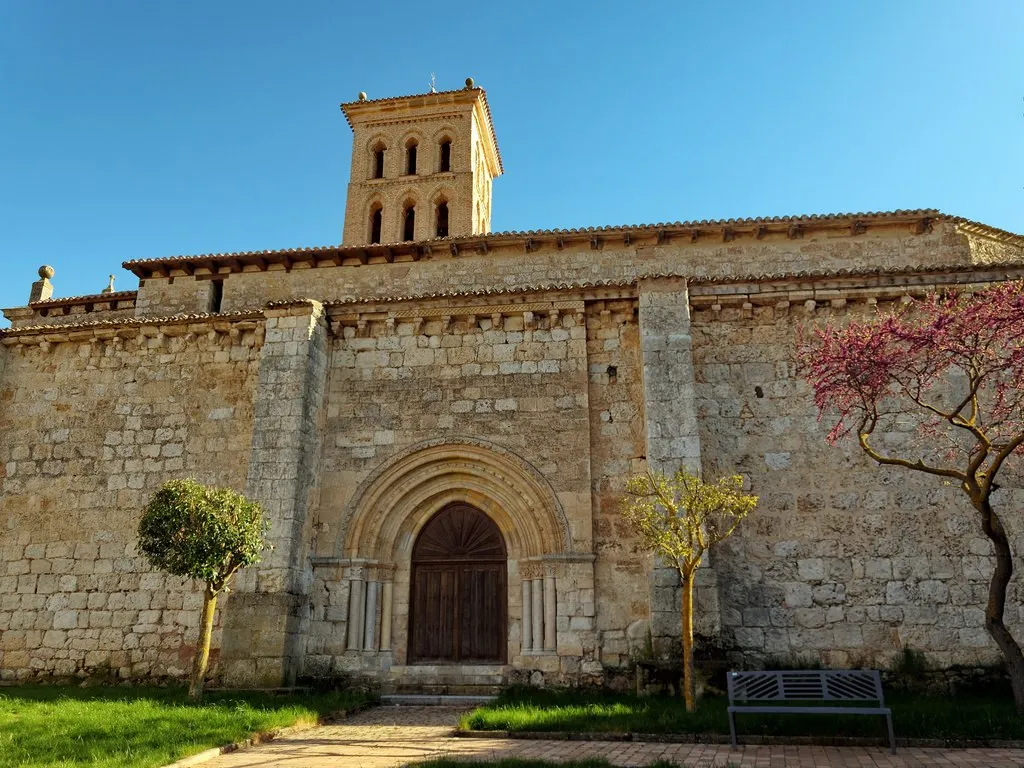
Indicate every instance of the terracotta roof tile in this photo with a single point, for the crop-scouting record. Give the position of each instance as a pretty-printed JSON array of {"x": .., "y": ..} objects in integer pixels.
[{"x": 84, "y": 299}]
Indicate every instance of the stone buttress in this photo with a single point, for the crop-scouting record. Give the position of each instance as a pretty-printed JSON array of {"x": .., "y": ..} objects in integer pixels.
[
  {"x": 673, "y": 441},
  {"x": 267, "y": 614}
]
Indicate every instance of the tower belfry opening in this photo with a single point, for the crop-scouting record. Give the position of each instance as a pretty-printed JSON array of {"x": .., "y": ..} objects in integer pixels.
[{"x": 445, "y": 132}]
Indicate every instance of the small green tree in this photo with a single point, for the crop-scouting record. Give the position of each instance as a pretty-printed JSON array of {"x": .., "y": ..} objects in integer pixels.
[
  {"x": 203, "y": 533},
  {"x": 680, "y": 518}
]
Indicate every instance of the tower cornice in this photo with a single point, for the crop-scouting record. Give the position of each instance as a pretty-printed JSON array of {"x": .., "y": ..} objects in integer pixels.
[{"x": 365, "y": 110}]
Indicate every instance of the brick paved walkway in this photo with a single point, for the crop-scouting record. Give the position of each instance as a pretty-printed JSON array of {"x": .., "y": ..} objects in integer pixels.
[{"x": 386, "y": 737}]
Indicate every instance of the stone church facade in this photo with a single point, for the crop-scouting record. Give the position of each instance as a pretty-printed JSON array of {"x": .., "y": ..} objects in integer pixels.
[{"x": 439, "y": 422}]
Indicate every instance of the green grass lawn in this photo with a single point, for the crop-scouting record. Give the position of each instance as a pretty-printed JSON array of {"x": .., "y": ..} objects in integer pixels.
[
  {"x": 522, "y": 709},
  {"x": 141, "y": 727}
]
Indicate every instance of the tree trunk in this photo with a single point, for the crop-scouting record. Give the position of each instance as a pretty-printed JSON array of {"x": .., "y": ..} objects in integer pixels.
[
  {"x": 202, "y": 656},
  {"x": 689, "y": 683},
  {"x": 1001, "y": 576}
]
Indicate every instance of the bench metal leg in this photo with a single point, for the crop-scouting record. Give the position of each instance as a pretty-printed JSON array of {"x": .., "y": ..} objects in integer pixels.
[
  {"x": 732, "y": 729},
  {"x": 892, "y": 735}
]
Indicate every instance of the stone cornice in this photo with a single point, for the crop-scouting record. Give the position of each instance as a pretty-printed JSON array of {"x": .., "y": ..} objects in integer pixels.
[
  {"x": 531, "y": 312},
  {"x": 880, "y": 285},
  {"x": 125, "y": 328},
  {"x": 564, "y": 297}
]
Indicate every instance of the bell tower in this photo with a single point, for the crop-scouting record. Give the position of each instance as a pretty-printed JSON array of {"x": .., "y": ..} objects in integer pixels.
[{"x": 422, "y": 166}]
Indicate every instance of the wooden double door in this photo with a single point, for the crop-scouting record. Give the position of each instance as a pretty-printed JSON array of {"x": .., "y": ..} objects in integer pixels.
[{"x": 459, "y": 596}]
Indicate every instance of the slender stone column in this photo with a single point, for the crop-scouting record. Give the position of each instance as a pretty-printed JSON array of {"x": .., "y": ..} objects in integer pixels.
[
  {"x": 550, "y": 603},
  {"x": 387, "y": 595},
  {"x": 527, "y": 616},
  {"x": 537, "y": 589},
  {"x": 356, "y": 603},
  {"x": 370, "y": 622}
]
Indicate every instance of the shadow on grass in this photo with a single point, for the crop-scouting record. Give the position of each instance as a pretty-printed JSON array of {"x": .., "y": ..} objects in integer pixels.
[
  {"x": 141, "y": 727},
  {"x": 524, "y": 709}
]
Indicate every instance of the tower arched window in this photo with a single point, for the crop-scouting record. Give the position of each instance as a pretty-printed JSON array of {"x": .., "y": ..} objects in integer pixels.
[
  {"x": 446, "y": 156},
  {"x": 376, "y": 222},
  {"x": 409, "y": 223},
  {"x": 410, "y": 157},
  {"x": 442, "y": 219},
  {"x": 378, "y": 161}
]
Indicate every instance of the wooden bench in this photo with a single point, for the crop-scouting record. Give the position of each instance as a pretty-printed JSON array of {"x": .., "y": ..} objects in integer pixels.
[{"x": 795, "y": 691}]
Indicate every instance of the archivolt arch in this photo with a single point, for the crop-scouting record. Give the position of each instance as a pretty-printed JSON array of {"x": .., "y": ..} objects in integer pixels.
[
  {"x": 410, "y": 197},
  {"x": 413, "y": 134},
  {"x": 391, "y": 506},
  {"x": 445, "y": 132},
  {"x": 441, "y": 192},
  {"x": 378, "y": 141}
]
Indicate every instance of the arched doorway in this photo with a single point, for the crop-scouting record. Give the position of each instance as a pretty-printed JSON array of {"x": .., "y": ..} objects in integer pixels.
[{"x": 458, "y": 596}]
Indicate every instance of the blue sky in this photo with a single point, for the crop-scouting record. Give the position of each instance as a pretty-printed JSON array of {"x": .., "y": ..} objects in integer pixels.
[{"x": 142, "y": 129}]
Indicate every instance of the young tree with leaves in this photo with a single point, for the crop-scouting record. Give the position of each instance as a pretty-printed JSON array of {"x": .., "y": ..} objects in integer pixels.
[
  {"x": 950, "y": 366},
  {"x": 679, "y": 518},
  {"x": 203, "y": 533}
]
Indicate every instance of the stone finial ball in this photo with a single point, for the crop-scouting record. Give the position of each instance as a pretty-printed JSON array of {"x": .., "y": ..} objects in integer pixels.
[
  {"x": 469, "y": 82},
  {"x": 46, "y": 272},
  {"x": 362, "y": 95}
]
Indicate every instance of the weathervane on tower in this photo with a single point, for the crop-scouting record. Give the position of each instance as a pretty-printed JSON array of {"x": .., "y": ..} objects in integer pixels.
[{"x": 433, "y": 83}]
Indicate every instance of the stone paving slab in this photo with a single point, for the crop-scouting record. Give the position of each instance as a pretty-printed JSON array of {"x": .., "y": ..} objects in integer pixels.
[{"x": 387, "y": 737}]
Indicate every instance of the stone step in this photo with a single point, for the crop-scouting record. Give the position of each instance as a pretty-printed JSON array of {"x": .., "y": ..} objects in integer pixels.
[
  {"x": 440, "y": 688},
  {"x": 435, "y": 700},
  {"x": 468, "y": 679}
]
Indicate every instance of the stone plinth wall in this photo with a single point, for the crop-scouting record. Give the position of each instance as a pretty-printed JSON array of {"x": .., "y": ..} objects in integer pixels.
[
  {"x": 91, "y": 429},
  {"x": 844, "y": 561}
]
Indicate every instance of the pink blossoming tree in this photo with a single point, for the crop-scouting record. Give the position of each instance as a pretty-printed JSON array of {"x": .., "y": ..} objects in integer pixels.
[{"x": 951, "y": 368}]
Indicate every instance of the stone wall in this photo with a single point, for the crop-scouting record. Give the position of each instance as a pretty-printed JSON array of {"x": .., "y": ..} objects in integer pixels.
[
  {"x": 843, "y": 561},
  {"x": 91, "y": 428},
  {"x": 514, "y": 379},
  {"x": 617, "y": 450},
  {"x": 508, "y": 267},
  {"x": 166, "y": 296},
  {"x": 352, "y": 421}
]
